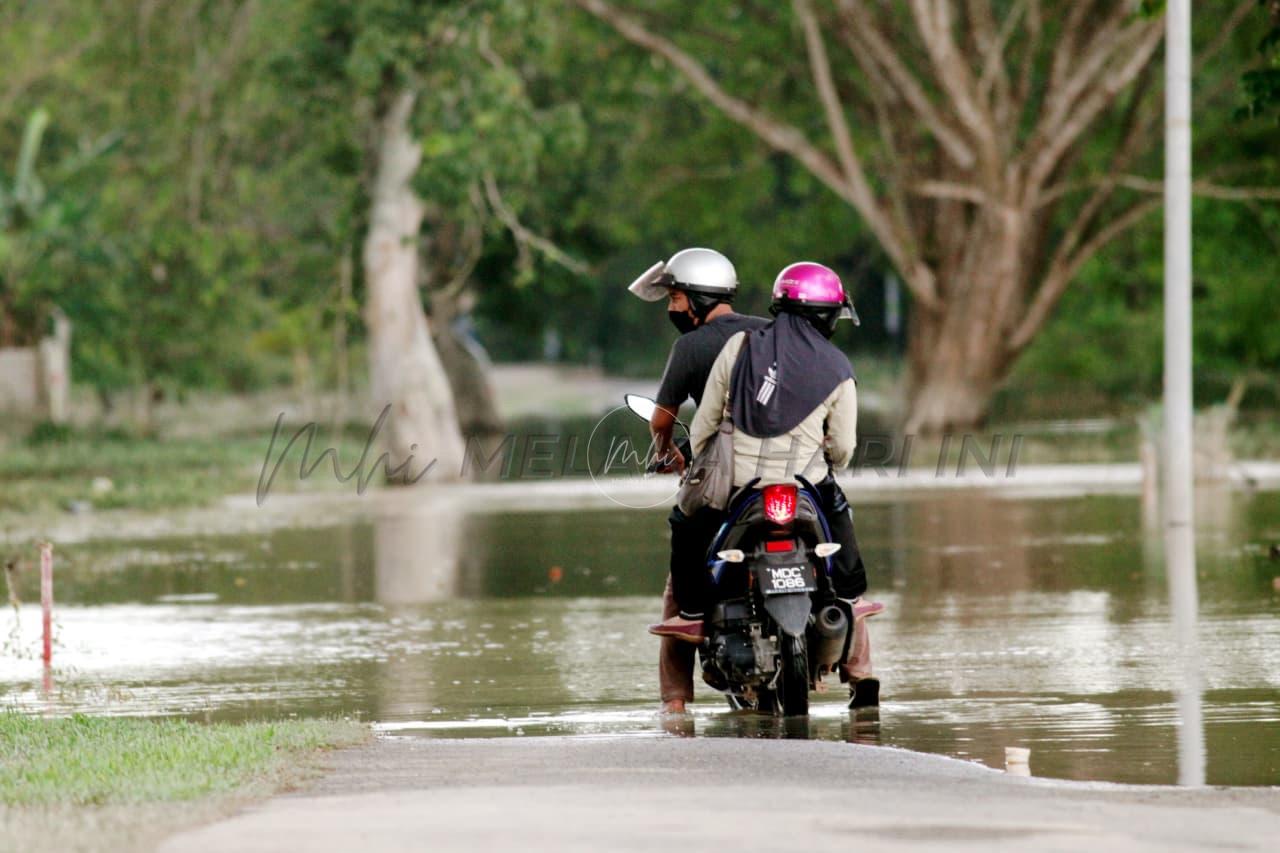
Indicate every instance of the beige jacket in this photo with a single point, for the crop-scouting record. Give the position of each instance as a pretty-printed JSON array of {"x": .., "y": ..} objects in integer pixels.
[{"x": 827, "y": 435}]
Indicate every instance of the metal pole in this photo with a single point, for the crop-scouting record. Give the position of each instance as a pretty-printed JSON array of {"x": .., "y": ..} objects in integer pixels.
[
  {"x": 1179, "y": 472},
  {"x": 46, "y": 602},
  {"x": 46, "y": 621}
]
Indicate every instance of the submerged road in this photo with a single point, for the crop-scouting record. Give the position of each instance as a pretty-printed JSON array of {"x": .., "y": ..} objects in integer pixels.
[
  {"x": 243, "y": 514},
  {"x": 660, "y": 794}
]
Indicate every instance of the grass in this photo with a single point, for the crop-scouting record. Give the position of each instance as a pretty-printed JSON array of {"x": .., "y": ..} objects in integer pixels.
[
  {"x": 117, "y": 471},
  {"x": 84, "y": 760},
  {"x": 97, "y": 784}
]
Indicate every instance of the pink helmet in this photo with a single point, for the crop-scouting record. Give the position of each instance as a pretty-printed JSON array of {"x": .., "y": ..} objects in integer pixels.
[{"x": 807, "y": 287}]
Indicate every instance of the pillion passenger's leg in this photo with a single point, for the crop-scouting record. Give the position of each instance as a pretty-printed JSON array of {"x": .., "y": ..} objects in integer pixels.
[
  {"x": 858, "y": 666},
  {"x": 675, "y": 661},
  {"x": 849, "y": 578},
  {"x": 864, "y": 688},
  {"x": 849, "y": 574}
]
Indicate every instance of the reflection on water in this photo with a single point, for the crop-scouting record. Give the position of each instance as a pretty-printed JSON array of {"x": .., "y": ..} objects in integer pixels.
[
  {"x": 1043, "y": 624},
  {"x": 1184, "y": 605},
  {"x": 416, "y": 556}
]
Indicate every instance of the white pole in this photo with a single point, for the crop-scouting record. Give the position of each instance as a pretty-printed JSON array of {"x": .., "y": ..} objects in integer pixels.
[{"x": 1179, "y": 472}]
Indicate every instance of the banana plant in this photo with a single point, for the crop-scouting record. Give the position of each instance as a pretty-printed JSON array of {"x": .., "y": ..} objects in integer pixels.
[
  {"x": 23, "y": 197},
  {"x": 36, "y": 219},
  {"x": 25, "y": 192}
]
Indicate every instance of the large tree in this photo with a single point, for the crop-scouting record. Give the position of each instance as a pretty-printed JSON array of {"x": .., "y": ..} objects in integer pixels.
[
  {"x": 986, "y": 145},
  {"x": 449, "y": 143}
]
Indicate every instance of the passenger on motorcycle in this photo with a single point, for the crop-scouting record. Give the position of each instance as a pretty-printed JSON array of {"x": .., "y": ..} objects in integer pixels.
[{"x": 792, "y": 398}]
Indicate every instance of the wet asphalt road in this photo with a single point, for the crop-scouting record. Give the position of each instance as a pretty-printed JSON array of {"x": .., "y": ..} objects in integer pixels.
[{"x": 662, "y": 793}]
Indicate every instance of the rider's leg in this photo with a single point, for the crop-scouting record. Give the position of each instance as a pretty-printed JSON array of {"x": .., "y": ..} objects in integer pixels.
[
  {"x": 690, "y": 538},
  {"x": 675, "y": 662}
]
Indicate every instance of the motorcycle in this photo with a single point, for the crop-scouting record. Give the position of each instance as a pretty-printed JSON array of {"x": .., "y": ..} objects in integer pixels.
[{"x": 775, "y": 627}]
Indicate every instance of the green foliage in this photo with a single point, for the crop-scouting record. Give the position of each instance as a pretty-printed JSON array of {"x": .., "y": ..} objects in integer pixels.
[
  {"x": 25, "y": 192},
  {"x": 47, "y": 432},
  {"x": 658, "y": 172},
  {"x": 184, "y": 180},
  {"x": 1105, "y": 347},
  {"x": 198, "y": 222},
  {"x": 39, "y": 225},
  {"x": 1262, "y": 85}
]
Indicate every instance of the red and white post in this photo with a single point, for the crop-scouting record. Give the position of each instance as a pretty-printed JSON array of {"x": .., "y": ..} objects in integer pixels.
[{"x": 46, "y": 599}]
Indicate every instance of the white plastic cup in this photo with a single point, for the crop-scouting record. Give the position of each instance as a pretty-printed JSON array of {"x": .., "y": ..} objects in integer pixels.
[{"x": 1017, "y": 760}]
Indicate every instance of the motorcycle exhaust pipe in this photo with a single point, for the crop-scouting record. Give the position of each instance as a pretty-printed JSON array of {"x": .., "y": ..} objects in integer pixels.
[{"x": 831, "y": 627}]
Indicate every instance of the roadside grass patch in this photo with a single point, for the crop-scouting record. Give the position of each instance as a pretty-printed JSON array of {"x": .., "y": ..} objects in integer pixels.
[
  {"x": 94, "y": 761},
  {"x": 141, "y": 473}
]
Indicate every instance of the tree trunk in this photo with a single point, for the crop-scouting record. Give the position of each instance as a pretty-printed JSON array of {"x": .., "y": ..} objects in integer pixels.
[
  {"x": 950, "y": 388},
  {"x": 405, "y": 370},
  {"x": 959, "y": 356},
  {"x": 468, "y": 370},
  {"x": 341, "y": 353}
]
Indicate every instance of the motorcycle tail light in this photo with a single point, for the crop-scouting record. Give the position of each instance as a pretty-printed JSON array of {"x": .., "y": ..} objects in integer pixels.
[
  {"x": 780, "y": 503},
  {"x": 779, "y": 546}
]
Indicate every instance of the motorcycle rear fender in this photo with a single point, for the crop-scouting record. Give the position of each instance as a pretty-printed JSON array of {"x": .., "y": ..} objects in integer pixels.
[{"x": 790, "y": 611}]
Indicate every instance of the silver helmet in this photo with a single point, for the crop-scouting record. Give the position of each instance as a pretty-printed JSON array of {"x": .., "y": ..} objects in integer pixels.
[{"x": 703, "y": 271}]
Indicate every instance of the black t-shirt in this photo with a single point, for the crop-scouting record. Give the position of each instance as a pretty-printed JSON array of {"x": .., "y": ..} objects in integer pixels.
[{"x": 694, "y": 353}]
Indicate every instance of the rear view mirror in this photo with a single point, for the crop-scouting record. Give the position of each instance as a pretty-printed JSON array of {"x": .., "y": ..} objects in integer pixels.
[{"x": 643, "y": 407}]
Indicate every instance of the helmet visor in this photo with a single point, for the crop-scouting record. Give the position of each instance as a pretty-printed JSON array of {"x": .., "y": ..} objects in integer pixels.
[
  {"x": 650, "y": 286},
  {"x": 848, "y": 313}
]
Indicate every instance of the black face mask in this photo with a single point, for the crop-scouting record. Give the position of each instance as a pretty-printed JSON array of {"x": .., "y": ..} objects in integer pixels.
[
  {"x": 682, "y": 321},
  {"x": 826, "y": 322}
]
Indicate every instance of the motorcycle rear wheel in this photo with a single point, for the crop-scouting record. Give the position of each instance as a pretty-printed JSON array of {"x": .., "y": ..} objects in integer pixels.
[{"x": 793, "y": 682}]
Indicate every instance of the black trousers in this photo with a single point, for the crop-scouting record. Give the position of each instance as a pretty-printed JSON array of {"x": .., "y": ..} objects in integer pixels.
[
  {"x": 849, "y": 575},
  {"x": 691, "y": 537}
]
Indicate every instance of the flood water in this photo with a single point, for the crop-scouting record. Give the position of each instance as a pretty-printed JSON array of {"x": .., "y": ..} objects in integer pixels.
[{"x": 1039, "y": 623}]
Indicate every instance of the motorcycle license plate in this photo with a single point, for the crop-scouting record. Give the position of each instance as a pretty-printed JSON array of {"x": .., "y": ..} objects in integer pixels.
[{"x": 786, "y": 578}]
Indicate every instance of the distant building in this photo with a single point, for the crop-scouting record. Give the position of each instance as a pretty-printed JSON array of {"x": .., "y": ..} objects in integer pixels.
[{"x": 35, "y": 381}]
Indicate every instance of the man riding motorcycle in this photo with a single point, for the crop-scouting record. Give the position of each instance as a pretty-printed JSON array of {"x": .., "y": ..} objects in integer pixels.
[
  {"x": 699, "y": 286},
  {"x": 792, "y": 398}
]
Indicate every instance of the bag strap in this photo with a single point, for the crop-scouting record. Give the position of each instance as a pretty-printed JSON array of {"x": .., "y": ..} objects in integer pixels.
[{"x": 724, "y": 409}]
